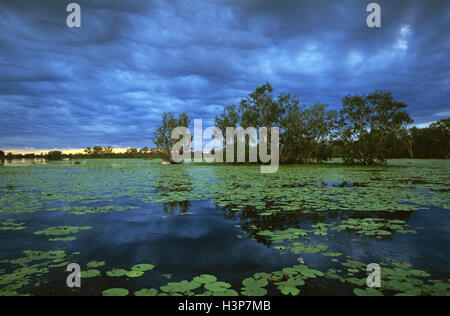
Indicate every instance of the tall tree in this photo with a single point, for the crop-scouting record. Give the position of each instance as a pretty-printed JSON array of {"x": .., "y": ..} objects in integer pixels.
[
  {"x": 291, "y": 129},
  {"x": 261, "y": 109},
  {"x": 131, "y": 152},
  {"x": 97, "y": 151},
  {"x": 88, "y": 151},
  {"x": 306, "y": 132},
  {"x": 317, "y": 129},
  {"x": 162, "y": 137},
  {"x": 144, "y": 151},
  {"x": 230, "y": 117},
  {"x": 367, "y": 123},
  {"x": 406, "y": 137},
  {"x": 107, "y": 150},
  {"x": 55, "y": 155},
  {"x": 440, "y": 132}
]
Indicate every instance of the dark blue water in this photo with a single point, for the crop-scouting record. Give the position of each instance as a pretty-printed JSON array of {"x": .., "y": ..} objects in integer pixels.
[
  {"x": 206, "y": 242},
  {"x": 189, "y": 238}
]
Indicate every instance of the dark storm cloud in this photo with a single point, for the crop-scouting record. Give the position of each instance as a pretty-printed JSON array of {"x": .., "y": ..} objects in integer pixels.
[{"x": 108, "y": 82}]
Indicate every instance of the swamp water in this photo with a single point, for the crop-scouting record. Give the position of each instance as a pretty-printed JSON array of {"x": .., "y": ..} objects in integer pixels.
[{"x": 140, "y": 228}]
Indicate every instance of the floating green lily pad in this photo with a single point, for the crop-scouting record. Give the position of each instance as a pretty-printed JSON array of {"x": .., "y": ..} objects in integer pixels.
[
  {"x": 90, "y": 274},
  {"x": 143, "y": 267},
  {"x": 116, "y": 292},
  {"x": 117, "y": 273},
  {"x": 146, "y": 292}
]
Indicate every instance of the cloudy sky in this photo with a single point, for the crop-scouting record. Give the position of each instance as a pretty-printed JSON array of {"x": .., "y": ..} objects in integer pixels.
[{"x": 108, "y": 82}]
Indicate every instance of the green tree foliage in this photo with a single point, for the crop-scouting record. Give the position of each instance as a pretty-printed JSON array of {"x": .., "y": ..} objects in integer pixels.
[
  {"x": 144, "y": 151},
  {"x": 368, "y": 129},
  {"x": 55, "y": 155},
  {"x": 304, "y": 132},
  {"x": 108, "y": 152},
  {"x": 368, "y": 124},
  {"x": 131, "y": 152},
  {"x": 429, "y": 142},
  {"x": 261, "y": 109},
  {"x": 99, "y": 152},
  {"x": 229, "y": 118},
  {"x": 162, "y": 137},
  {"x": 440, "y": 132}
]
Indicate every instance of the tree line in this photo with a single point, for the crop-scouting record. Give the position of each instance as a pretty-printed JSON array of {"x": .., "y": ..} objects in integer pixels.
[
  {"x": 89, "y": 152},
  {"x": 367, "y": 130}
]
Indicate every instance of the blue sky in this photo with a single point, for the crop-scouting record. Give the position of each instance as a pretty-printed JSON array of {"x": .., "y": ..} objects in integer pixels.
[{"x": 108, "y": 82}]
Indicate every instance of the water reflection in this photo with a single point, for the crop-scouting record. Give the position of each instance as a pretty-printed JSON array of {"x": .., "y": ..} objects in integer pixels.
[
  {"x": 179, "y": 186},
  {"x": 22, "y": 162},
  {"x": 220, "y": 240},
  {"x": 252, "y": 222}
]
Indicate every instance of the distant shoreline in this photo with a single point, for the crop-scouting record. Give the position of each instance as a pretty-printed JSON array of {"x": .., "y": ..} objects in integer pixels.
[{"x": 66, "y": 151}]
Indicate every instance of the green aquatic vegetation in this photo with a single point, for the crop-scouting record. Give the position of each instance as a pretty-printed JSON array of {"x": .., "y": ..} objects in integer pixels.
[
  {"x": 59, "y": 265},
  {"x": 320, "y": 229},
  {"x": 400, "y": 281},
  {"x": 331, "y": 254},
  {"x": 146, "y": 292},
  {"x": 286, "y": 281},
  {"x": 90, "y": 274},
  {"x": 291, "y": 235},
  {"x": 289, "y": 287},
  {"x": 94, "y": 210},
  {"x": 253, "y": 291},
  {"x": 205, "y": 279},
  {"x": 116, "y": 273},
  {"x": 435, "y": 288},
  {"x": 288, "y": 290},
  {"x": 32, "y": 255},
  {"x": 376, "y": 227},
  {"x": 266, "y": 210},
  {"x": 261, "y": 275},
  {"x": 254, "y": 287},
  {"x": 354, "y": 264},
  {"x": 12, "y": 226},
  {"x": 298, "y": 248},
  {"x": 295, "y": 188},
  {"x": 185, "y": 287},
  {"x": 116, "y": 292},
  {"x": 143, "y": 267},
  {"x": 217, "y": 286},
  {"x": 33, "y": 266},
  {"x": 63, "y": 239},
  {"x": 96, "y": 264},
  {"x": 367, "y": 292},
  {"x": 61, "y": 230},
  {"x": 208, "y": 283},
  {"x": 302, "y": 270},
  {"x": 134, "y": 274},
  {"x": 402, "y": 264}
]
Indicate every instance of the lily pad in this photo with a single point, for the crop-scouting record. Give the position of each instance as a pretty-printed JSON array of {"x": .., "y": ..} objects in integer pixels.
[{"x": 116, "y": 292}]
